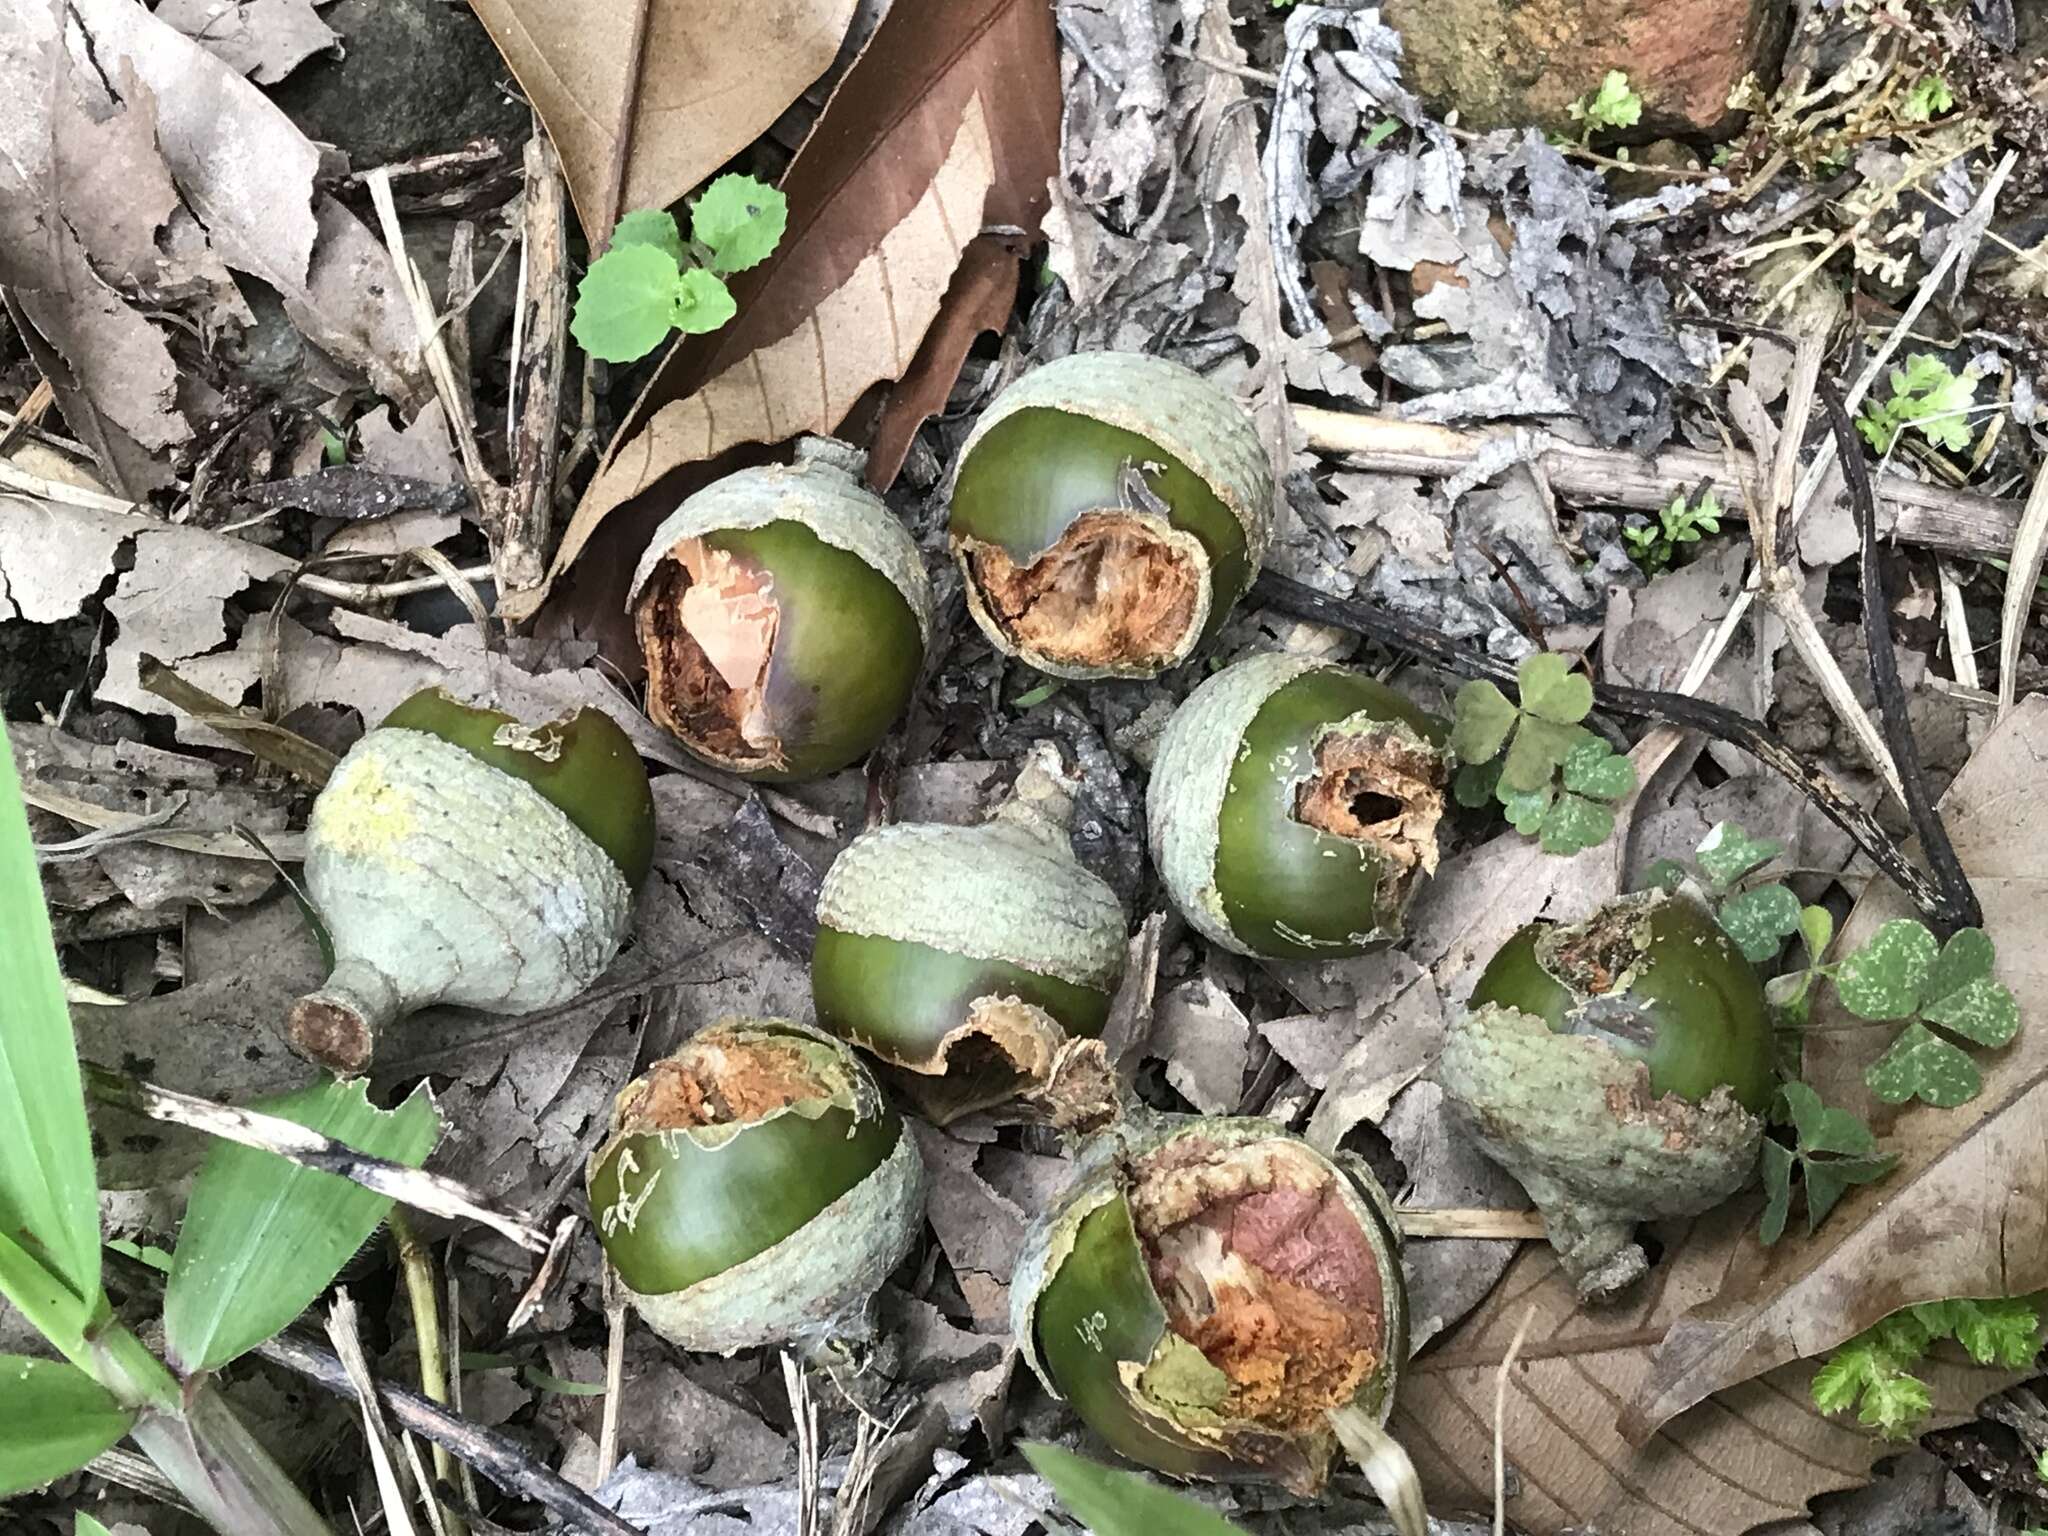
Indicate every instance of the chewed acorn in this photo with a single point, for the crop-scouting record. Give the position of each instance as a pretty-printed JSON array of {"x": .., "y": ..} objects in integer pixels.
[
  {"x": 756, "y": 1189},
  {"x": 783, "y": 613},
  {"x": 1109, "y": 510},
  {"x": 1218, "y": 1299},
  {"x": 1293, "y": 808},
  {"x": 979, "y": 960},
  {"x": 1620, "y": 1068},
  {"x": 458, "y": 856}
]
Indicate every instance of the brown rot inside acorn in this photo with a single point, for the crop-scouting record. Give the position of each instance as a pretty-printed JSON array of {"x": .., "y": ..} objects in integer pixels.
[
  {"x": 1263, "y": 1266},
  {"x": 1115, "y": 590},
  {"x": 1381, "y": 786},
  {"x": 733, "y": 1079},
  {"x": 707, "y": 623}
]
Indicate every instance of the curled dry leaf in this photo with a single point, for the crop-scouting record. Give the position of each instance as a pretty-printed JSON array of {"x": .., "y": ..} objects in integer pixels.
[
  {"x": 946, "y": 123},
  {"x": 1756, "y": 1454},
  {"x": 1953, "y": 1218},
  {"x": 646, "y": 100}
]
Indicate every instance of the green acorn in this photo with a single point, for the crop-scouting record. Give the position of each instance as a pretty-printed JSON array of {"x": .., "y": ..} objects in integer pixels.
[
  {"x": 784, "y": 615},
  {"x": 981, "y": 961},
  {"x": 1293, "y": 808},
  {"x": 458, "y": 856},
  {"x": 1110, "y": 509},
  {"x": 1620, "y": 1068},
  {"x": 1218, "y": 1299},
  {"x": 756, "y": 1189}
]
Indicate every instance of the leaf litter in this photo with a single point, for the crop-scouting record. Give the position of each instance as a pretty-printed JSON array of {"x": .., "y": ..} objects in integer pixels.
[{"x": 1261, "y": 197}]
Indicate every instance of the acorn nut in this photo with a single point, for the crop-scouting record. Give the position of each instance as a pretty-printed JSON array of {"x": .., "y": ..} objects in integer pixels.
[
  {"x": 459, "y": 856},
  {"x": 1218, "y": 1299},
  {"x": 1293, "y": 808},
  {"x": 784, "y": 615},
  {"x": 1620, "y": 1068},
  {"x": 1109, "y": 510},
  {"x": 980, "y": 961},
  {"x": 756, "y": 1189}
]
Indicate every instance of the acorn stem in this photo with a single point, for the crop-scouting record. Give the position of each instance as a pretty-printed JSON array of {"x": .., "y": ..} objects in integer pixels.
[
  {"x": 337, "y": 1025},
  {"x": 1385, "y": 1464}
]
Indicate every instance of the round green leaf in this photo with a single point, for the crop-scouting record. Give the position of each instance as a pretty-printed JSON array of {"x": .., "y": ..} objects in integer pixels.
[
  {"x": 1552, "y": 691},
  {"x": 626, "y": 303},
  {"x": 1966, "y": 957},
  {"x": 1760, "y": 920},
  {"x": 1727, "y": 852},
  {"x": 701, "y": 302},
  {"x": 1574, "y": 824},
  {"x": 650, "y": 226},
  {"x": 1592, "y": 768},
  {"x": 1980, "y": 1010},
  {"x": 1484, "y": 716},
  {"x": 741, "y": 220},
  {"x": 1886, "y": 978},
  {"x": 1524, "y": 811},
  {"x": 1920, "y": 1064},
  {"x": 1474, "y": 783}
]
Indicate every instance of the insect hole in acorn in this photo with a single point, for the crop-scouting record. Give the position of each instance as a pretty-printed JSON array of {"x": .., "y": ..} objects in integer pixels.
[{"x": 783, "y": 613}]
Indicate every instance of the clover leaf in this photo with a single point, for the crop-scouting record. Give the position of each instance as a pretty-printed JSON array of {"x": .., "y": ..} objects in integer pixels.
[
  {"x": 1901, "y": 973},
  {"x": 1555, "y": 780},
  {"x": 1727, "y": 853},
  {"x": 1832, "y": 1151}
]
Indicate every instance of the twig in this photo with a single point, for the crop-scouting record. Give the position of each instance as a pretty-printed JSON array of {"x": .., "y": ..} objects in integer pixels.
[
  {"x": 803, "y": 1412},
  {"x": 1959, "y": 907},
  {"x": 434, "y": 1193},
  {"x": 416, "y": 1264},
  {"x": 2029, "y": 545},
  {"x": 614, "y": 1371},
  {"x": 1933, "y": 516},
  {"x": 348, "y": 1350},
  {"x": 519, "y": 536},
  {"x": 1476, "y": 1222},
  {"x": 1500, "y": 1415},
  {"x": 274, "y": 744},
  {"x": 498, "y": 1457},
  {"x": 221, "y": 845},
  {"x": 1832, "y": 800}
]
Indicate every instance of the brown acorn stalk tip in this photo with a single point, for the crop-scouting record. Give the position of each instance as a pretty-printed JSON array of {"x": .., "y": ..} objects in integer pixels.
[
  {"x": 707, "y": 625},
  {"x": 1114, "y": 590},
  {"x": 1381, "y": 787}
]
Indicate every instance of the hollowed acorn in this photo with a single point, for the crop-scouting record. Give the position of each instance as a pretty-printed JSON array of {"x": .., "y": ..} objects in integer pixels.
[
  {"x": 784, "y": 614},
  {"x": 1218, "y": 1299},
  {"x": 1620, "y": 1068},
  {"x": 1293, "y": 807},
  {"x": 756, "y": 1189},
  {"x": 981, "y": 961},
  {"x": 1110, "y": 509},
  {"x": 458, "y": 856}
]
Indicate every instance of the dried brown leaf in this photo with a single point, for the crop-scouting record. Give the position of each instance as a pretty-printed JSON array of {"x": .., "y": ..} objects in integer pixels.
[
  {"x": 263, "y": 39},
  {"x": 1962, "y": 1213},
  {"x": 1756, "y": 1453},
  {"x": 647, "y": 98},
  {"x": 946, "y": 123}
]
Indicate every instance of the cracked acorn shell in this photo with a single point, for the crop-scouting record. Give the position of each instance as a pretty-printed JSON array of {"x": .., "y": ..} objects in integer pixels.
[
  {"x": 1620, "y": 1068},
  {"x": 784, "y": 614},
  {"x": 1209, "y": 1292},
  {"x": 756, "y": 1189},
  {"x": 1293, "y": 808},
  {"x": 981, "y": 961},
  {"x": 1109, "y": 511},
  {"x": 459, "y": 856}
]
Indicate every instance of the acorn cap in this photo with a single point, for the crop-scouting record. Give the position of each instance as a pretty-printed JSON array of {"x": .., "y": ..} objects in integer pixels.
[
  {"x": 756, "y": 1189},
  {"x": 1559, "y": 1083},
  {"x": 583, "y": 763},
  {"x": 1044, "y": 504},
  {"x": 1253, "y": 807},
  {"x": 1209, "y": 1291},
  {"x": 443, "y": 879},
  {"x": 784, "y": 613}
]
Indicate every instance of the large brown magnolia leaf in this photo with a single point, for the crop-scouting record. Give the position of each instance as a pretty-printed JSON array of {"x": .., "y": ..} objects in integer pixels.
[
  {"x": 1756, "y": 1453},
  {"x": 645, "y": 98},
  {"x": 1965, "y": 1212},
  {"x": 946, "y": 123}
]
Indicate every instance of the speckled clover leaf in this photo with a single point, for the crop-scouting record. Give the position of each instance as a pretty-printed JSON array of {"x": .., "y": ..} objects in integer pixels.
[{"x": 1902, "y": 974}]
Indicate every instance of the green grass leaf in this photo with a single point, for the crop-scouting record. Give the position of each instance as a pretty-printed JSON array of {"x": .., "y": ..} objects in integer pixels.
[
  {"x": 741, "y": 220},
  {"x": 702, "y": 302},
  {"x": 49, "y": 1190},
  {"x": 262, "y": 1237},
  {"x": 626, "y": 303},
  {"x": 1552, "y": 691},
  {"x": 1886, "y": 978},
  {"x": 57, "y": 1419},
  {"x": 1482, "y": 718},
  {"x": 1760, "y": 920},
  {"x": 85, "y": 1525},
  {"x": 650, "y": 226},
  {"x": 1113, "y": 1502},
  {"x": 1727, "y": 853}
]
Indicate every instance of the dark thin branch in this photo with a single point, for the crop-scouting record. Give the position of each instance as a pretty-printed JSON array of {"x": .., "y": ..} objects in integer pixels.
[
  {"x": 1959, "y": 904},
  {"x": 1833, "y": 801},
  {"x": 497, "y": 1456}
]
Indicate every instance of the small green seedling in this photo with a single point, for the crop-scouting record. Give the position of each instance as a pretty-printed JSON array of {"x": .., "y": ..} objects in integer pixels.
[
  {"x": 1614, "y": 105},
  {"x": 1832, "y": 1151},
  {"x": 1941, "y": 990},
  {"x": 1928, "y": 397},
  {"x": 1872, "y": 1373},
  {"x": 651, "y": 281},
  {"x": 1758, "y": 917},
  {"x": 1929, "y": 98},
  {"x": 1655, "y": 544},
  {"x": 1112, "y": 1502},
  {"x": 1555, "y": 780}
]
